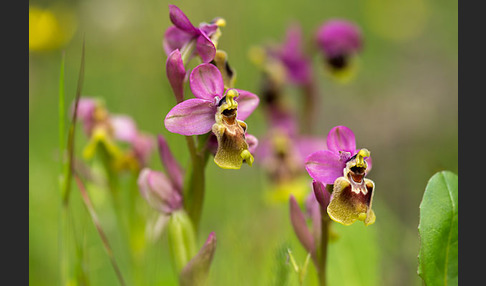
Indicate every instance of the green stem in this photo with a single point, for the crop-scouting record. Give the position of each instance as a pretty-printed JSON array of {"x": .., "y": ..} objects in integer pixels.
[
  {"x": 323, "y": 247},
  {"x": 194, "y": 188}
]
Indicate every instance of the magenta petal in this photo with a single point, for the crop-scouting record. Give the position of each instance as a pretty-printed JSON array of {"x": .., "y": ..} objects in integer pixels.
[
  {"x": 172, "y": 167},
  {"x": 124, "y": 128},
  {"x": 175, "y": 38},
  {"x": 208, "y": 29},
  {"x": 247, "y": 103},
  {"x": 176, "y": 74},
  {"x": 205, "y": 48},
  {"x": 180, "y": 20},
  {"x": 325, "y": 166},
  {"x": 191, "y": 117},
  {"x": 341, "y": 138},
  {"x": 206, "y": 82}
]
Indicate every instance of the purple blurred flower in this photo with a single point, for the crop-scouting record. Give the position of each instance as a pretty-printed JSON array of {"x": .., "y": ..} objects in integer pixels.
[
  {"x": 124, "y": 127},
  {"x": 142, "y": 146},
  {"x": 339, "y": 40},
  {"x": 183, "y": 32},
  {"x": 327, "y": 165},
  {"x": 164, "y": 193},
  {"x": 298, "y": 66},
  {"x": 86, "y": 110},
  {"x": 217, "y": 111},
  {"x": 107, "y": 129},
  {"x": 283, "y": 151}
]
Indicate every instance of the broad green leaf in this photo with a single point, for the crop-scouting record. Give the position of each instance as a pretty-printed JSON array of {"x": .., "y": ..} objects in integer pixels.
[{"x": 438, "y": 229}]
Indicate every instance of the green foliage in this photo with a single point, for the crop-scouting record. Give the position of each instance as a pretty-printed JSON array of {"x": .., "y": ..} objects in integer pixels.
[
  {"x": 353, "y": 258},
  {"x": 438, "y": 228}
]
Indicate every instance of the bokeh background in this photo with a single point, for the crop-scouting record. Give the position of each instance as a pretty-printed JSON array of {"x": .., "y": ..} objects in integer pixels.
[{"x": 402, "y": 106}]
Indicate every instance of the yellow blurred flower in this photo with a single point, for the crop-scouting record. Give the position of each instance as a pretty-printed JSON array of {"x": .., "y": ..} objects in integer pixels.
[
  {"x": 279, "y": 193},
  {"x": 50, "y": 29}
]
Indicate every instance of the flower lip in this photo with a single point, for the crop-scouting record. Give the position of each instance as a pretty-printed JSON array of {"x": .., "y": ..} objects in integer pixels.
[
  {"x": 338, "y": 62},
  {"x": 229, "y": 113}
]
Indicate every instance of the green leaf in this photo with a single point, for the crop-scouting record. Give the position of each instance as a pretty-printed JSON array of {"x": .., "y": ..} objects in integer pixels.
[{"x": 438, "y": 229}]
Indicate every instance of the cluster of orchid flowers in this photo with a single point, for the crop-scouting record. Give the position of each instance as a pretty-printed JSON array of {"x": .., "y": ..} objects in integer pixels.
[
  {"x": 340, "y": 190},
  {"x": 213, "y": 124}
]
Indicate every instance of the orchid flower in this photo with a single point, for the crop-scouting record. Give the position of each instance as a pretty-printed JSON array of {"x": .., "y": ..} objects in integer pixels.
[
  {"x": 296, "y": 63},
  {"x": 344, "y": 167},
  {"x": 217, "y": 111},
  {"x": 183, "y": 33},
  {"x": 340, "y": 41},
  {"x": 107, "y": 129}
]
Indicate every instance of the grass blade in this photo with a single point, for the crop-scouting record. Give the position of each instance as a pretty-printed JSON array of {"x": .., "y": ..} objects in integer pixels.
[
  {"x": 96, "y": 222},
  {"x": 70, "y": 144}
]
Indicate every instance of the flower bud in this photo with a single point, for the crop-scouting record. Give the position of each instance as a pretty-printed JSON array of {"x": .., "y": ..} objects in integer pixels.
[{"x": 196, "y": 271}]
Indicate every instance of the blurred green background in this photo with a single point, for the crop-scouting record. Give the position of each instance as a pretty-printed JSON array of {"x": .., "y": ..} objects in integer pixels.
[{"x": 402, "y": 106}]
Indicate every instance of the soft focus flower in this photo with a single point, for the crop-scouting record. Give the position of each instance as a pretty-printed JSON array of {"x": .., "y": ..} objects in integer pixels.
[
  {"x": 217, "y": 111},
  {"x": 50, "y": 29},
  {"x": 340, "y": 41},
  {"x": 345, "y": 168},
  {"x": 183, "y": 33},
  {"x": 327, "y": 165},
  {"x": 297, "y": 64},
  {"x": 105, "y": 130},
  {"x": 282, "y": 154}
]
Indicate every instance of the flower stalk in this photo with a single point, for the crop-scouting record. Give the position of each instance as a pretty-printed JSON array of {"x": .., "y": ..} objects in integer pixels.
[{"x": 322, "y": 254}]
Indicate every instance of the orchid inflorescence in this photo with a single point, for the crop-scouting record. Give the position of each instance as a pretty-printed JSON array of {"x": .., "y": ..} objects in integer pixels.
[{"x": 213, "y": 123}]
